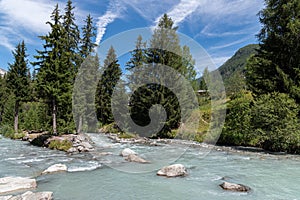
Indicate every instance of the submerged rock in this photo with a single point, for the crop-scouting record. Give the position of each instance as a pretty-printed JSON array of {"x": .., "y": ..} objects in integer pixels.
[
  {"x": 10, "y": 184},
  {"x": 172, "y": 171},
  {"x": 235, "y": 187},
  {"x": 135, "y": 158},
  {"x": 55, "y": 168},
  {"x": 30, "y": 196},
  {"x": 126, "y": 152}
]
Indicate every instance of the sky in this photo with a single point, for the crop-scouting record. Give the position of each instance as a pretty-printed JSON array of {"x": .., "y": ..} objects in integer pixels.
[{"x": 221, "y": 27}]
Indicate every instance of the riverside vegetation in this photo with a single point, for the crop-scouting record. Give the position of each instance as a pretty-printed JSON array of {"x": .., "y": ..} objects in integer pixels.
[{"x": 262, "y": 83}]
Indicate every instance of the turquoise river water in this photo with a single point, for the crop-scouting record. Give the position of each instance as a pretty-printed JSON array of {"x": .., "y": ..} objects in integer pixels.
[{"x": 89, "y": 177}]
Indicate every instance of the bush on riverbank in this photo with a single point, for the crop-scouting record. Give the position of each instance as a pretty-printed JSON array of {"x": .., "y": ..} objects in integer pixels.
[
  {"x": 8, "y": 131},
  {"x": 63, "y": 145},
  {"x": 274, "y": 117}
]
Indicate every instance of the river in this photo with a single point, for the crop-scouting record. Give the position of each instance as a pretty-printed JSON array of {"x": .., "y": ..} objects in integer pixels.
[{"x": 90, "y": 176}]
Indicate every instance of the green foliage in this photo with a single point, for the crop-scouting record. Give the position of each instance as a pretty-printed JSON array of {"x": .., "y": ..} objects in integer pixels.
[
  {"x": 274, "y": 117},
  {"x": 126, "y": 135},
  {"x": 7, "y": 131},
  {"x": 63, "y": 145},
  {"x": 277, "y": 63},
  {"x": 18, "y": 81},
  {"x": 109, "y": 79},
  {"x": 83, "y": 95},
  {"x": 55, "y": 74},
  {"x": 34, "y": 116},
  {"x": 156, "y": 54},
  {"x": 237, "y": 63},
  {"x": 237, "y": 129},
  {"x": 110, "y": 128},
  {"x": 4, "y": 94},
  {"x": 233, "y": 70}
]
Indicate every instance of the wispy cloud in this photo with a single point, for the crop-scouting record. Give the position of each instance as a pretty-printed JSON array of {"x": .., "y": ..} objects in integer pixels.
[
  {"x": 230, "y": 44},
  {"x": 150, "y": 9},
  {"x": 23, "y": 19},
  {"x": 182, "y": 10},
  {"x": 220, "y": 60},
  {"x": 113, "y": 12}
]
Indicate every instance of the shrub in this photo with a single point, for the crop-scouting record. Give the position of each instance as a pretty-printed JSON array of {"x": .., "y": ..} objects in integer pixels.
[
  {"x": 63, "y": 145},
  {"x": 7, "y": 131},
  {"x": 274, "y": 117},
  {"x": 237, "y": 127}
]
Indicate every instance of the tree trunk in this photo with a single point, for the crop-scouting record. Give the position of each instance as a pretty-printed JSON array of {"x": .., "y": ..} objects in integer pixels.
[
  {"x": 79, "y": 124},
  {"x": 16, "y": 123},
  {"x": 54, "y": 116}
]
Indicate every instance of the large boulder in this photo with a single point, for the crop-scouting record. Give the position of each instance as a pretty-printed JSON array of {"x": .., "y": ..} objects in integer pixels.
[
  {"x": 55, "y": 168},
  {"x": 126, "y": 152},
  {"x": 135, "y": 158},
  {"x": 172, "y": 171},
  {"x": 6, "y": 197},
  {"x": 30, "y": 196},
  {"x": 235, "y": 187},
  {"x": 10, "y": 184}
]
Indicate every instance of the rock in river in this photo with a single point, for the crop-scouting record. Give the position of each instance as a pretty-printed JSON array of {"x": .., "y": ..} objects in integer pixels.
[
  {"x": 172, "y": 171},
  {"x": 10, "y": 184},
  {"x": 126, "y": 152},
  {"x": 55, "y": 168},
  {"x": 135, "y": 158},
  {"x": 30, "y": 196},
  {"x": 235, "y": 187}
]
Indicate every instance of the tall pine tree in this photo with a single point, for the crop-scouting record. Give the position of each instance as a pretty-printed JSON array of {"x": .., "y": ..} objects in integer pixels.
[
  {"x": 164, "y": 50},
  {"x": 18, "y": 80},
  {"x": 54, "y": 84},
  {"x": 109, "y": 79},
  {"x": 83, "y": 98},
  {"x": 276, "y": 66}
]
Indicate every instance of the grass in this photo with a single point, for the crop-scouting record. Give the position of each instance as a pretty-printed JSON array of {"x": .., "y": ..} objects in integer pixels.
[
  {"x": 8, "y": 132},
  {"x": 63, "y": 145}
]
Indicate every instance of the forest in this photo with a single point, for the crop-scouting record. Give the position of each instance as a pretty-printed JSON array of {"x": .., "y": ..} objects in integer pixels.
[{"x": 263, "y": 94}]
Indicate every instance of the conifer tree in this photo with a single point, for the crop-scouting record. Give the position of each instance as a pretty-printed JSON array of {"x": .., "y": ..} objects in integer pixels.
[
  {"x": 84, "y": 86},
  {"x": 276, "y": 66},
  {"x": 18, "y": 81},
  {"x": 3, "y": 95},
  {"x": 53, "y": 78},
  {"x": 106, "y": 86},
  {"x": 88, "y": 34},
  {"x": 164, "y": 50},
  {"x": 72, "y": 38}
]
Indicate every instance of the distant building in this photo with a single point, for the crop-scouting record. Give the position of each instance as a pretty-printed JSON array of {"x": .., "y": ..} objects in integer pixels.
[{"x": 202, "y": 91}]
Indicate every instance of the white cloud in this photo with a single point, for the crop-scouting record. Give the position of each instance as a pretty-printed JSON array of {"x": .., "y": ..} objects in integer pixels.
[
  {"x": 220, "y": 60},
  {"x": 150, "y": 9},
  {"x": 24, "y": 18},
  {"x": 230, "y": 44},
  {"x": 113, "y": 12},
  {"x": 182, "y": 10},
  {"x": 29, "y": 14}
]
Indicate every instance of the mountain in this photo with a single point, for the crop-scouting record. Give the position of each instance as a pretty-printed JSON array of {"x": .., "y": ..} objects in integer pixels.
[
  {"x": 232, "y": 71},
  {"x": 237, "y": 62},
  {"x": 2, "y": 72}
]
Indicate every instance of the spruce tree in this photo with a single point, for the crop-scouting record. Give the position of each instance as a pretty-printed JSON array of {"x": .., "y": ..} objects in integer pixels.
[
  {"x": 164, "y": 50},
  {"x": 84, "y": 95},
  {"x": 72, "y": 38},
  {"x": 18, "y": 81},
  {"x": 83, "y": 100},
  {"x": 3, "y": 96},
  {"x": 108, "y": 81},
  {"x": 276, "y": 66},
  {"x": 88, "y": 34},
  {"x": 54, "y": 84}
]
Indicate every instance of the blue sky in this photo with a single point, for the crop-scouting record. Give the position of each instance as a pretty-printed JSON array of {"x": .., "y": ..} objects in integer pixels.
[{"x": 221, "y": 27}]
